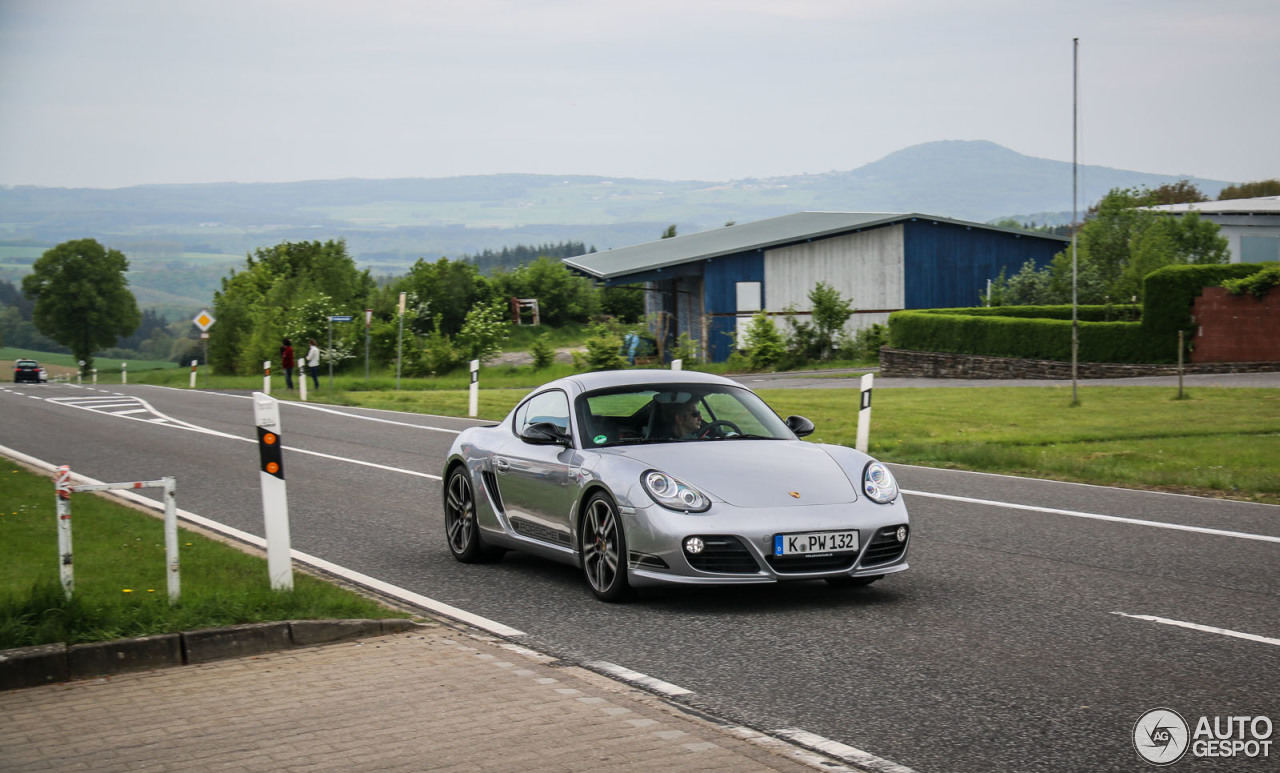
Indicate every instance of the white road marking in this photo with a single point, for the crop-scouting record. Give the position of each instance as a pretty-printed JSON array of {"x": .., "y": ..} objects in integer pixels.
[
  {"x": 635, "y": 677},
  {"x": 169, "y": 421},
  {"x": 842, "y": 751},
  {"x": 1204, "y": 628},
  {"x": 371, "y": 418},
  {"x": 1098, "y": 516}
]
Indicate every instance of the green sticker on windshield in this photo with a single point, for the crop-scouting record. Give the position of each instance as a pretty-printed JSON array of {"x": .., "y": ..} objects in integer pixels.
[{"x": 600, "y": 439}]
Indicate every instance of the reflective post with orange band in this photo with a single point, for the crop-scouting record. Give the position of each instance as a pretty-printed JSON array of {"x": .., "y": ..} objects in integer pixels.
[{"x": 275, "y": 502}]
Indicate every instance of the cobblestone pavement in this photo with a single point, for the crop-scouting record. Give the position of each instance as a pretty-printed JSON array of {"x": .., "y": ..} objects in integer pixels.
[{"x": 432, "y": 699}]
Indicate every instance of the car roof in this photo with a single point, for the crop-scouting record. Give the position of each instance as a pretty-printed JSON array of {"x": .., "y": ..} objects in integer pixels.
[{"x": 606, "y": 379}]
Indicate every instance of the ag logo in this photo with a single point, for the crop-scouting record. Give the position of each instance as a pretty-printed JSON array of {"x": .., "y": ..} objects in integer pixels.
[{"x": 1160, "y": 736}]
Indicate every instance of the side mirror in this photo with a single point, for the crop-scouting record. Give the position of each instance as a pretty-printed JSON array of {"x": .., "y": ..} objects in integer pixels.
[
  {"x": 544, "y": 433},
  {"x": 800, "y": 426}
]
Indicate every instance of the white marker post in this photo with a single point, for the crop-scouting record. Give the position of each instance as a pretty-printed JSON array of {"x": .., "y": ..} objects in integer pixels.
[
  {"x": 193, "y": 374},
  {"x": 302, "y": 382},
  {"x": 266, "y": 377},
  {"x": 65, "y": 569},
  {"x": 95, "y": 376},
  {"x": 124, "y": 373},
  {"x": 677, "y": 364},
  {"x": 473, "y": 404},
  {"x": 275, "y": 501},
  {"x": 864, "y": 414}
]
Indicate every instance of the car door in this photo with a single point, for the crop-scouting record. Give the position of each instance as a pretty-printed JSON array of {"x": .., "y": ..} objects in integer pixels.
[{"x": 534, "y": 480}]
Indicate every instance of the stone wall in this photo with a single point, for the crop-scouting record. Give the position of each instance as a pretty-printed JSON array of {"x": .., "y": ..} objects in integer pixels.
[
  {"x": 902, "y": 363},
  {"x": 1236, "y": 328}
]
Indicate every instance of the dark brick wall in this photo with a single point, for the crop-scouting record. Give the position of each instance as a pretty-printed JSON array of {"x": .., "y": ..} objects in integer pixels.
[{"x": 1236, "y": 328}]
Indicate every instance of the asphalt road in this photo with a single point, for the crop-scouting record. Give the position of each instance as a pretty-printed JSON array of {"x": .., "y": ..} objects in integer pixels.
[{"x": 1005, "y": 647}]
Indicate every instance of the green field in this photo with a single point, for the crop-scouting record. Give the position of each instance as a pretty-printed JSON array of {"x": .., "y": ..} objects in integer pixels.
[
  {"x": 68, "y": 361},
  {"x": 121, "y": 578}
]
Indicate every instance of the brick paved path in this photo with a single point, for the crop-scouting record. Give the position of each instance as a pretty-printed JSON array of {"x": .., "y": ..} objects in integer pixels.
[{"x": 432, "y": 699}]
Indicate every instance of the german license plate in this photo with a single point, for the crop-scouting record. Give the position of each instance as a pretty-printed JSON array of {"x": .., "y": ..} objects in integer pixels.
[{"x": 815, "y": 542}]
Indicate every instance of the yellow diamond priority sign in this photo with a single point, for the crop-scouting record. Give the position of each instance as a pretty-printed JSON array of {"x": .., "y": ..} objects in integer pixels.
[{"x": 204, "y": 320}]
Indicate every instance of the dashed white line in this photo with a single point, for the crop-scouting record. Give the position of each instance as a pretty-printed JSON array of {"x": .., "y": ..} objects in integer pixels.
[{"x": 1204, "y": 628}]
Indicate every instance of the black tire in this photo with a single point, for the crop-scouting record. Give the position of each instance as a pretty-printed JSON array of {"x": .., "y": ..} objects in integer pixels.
[
  {"x": 602, "y": 544},
  {"x": 853, "y": 582},
  {"x": 460, "y": 528}
]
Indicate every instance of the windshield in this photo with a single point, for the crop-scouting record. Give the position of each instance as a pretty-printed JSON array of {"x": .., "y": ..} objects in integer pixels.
[{"x": 676, "y": 413}]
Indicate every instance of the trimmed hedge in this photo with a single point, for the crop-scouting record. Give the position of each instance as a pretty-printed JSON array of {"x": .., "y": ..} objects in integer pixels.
[
  {"x": 1127, "y": 312},
  {"x": 1044, "y": 332},
  {"x": 1036, "y": 339}
]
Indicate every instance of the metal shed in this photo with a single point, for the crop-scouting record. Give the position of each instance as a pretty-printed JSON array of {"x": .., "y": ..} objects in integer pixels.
[{"x": 708, "y": 284}]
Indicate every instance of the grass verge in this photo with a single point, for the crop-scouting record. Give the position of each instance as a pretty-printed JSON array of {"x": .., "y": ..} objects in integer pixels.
[{"x": 120, "y": 575}]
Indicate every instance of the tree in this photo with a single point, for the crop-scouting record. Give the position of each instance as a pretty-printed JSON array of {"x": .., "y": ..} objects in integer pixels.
[
  {"x": 446, "y": 289},
  {"x": 1181, "y": 192},
  {"x": 1251, "y": 190},
  {"x": 286, "y": 290},
  {"x": 82, "y": 298},
  {"x": 670, "y": 233}
]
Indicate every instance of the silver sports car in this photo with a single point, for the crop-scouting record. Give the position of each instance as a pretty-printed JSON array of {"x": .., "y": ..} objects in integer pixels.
[{"x": 658, "y": 477}]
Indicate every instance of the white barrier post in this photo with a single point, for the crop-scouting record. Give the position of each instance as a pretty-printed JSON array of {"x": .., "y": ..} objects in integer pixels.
[
  {"x": 677, "y": 364},
  {"x": 473, "y": 403},
  {"x": 275, "y": 500},
  {"x": 171, "y": 536},
  {"x": 193, "y": 374},
  {"x": 95, "y": 376},
  {"x": 66, "y": 570},
  {"x": 266, "y": 377},
  {"x": 864, "y": 414},
  {"x": 302, "y": 382},
  {"x": 124, "y": 373}
]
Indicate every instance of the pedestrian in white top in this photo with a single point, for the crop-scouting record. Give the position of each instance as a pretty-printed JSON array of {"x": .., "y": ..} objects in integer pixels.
[{"x": 313, "y": 362}]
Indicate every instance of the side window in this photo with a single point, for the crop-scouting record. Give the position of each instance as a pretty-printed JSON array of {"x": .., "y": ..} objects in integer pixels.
[{"x": 550, "y": 406}]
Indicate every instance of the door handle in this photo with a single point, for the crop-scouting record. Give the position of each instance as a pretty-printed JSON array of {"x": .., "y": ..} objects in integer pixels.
[{"x": 501, "y": 465}]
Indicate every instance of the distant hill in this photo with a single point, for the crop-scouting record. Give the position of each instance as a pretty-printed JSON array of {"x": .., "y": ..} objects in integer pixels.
[{"x": 390, "y": 223}]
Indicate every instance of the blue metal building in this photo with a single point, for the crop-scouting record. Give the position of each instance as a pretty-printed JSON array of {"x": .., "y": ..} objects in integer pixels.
[{"x": 709, "y": 284}]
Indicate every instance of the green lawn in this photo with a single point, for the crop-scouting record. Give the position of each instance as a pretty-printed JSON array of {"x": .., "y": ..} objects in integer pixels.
[
  {"x": 120, "y": 575},
  {"x": 104, "y": 365}
]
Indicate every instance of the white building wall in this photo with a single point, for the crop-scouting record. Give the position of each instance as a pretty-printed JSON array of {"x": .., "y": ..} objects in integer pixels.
[{"x": 866, "y": 268}]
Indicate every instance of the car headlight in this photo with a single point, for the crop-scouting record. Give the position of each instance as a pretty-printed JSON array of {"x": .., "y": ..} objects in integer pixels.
[
  {"x": 674, "y": 493},
  {"x": 878, "y": 483}
]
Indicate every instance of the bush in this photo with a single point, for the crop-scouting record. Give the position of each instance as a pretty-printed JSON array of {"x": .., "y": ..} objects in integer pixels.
[
  {"x": 543, "y": 354},
  {"x": 602, "y": 353},
  {"x": 1169, "y": 293},
  {"x": 1257, "y": 284},
  {"x": 763, "y": 347}
]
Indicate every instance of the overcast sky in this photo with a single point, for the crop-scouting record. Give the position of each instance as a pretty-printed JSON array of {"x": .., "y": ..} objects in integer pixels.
[{"x": 110, "y": 93}]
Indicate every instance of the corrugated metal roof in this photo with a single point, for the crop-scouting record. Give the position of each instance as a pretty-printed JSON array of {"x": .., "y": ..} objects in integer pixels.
[
  {"x": 1262, "y": 205},
  {"x": 761, "y": 234}
]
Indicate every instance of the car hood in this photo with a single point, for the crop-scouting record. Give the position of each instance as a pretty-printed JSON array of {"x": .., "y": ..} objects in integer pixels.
[{"x": 751, "y": 473}]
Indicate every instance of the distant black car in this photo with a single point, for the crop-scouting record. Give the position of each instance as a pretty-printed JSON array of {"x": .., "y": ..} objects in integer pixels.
[{"x": 28, "y": 370}]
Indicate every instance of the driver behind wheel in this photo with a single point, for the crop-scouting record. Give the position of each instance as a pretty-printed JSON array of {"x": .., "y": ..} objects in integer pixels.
[{"x": 686, "y": 421}]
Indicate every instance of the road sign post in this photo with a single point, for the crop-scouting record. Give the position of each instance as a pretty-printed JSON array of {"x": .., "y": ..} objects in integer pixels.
[
  {"x": 275, "y": 501},
  {"x": 400, "y": 341},
  {"x": 266, "y": 377},
  {"x": 124, "y": 373},
  {"x": 368, "y": 320},
  {"x": 204, "y": 320}
]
